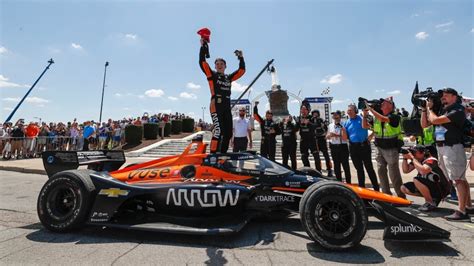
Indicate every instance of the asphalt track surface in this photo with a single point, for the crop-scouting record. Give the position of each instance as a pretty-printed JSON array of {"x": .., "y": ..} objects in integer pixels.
[{"x": 23, "y": 240}]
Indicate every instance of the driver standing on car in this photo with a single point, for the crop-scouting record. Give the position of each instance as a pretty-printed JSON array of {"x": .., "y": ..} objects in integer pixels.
[{"x": 220, "y": 84}]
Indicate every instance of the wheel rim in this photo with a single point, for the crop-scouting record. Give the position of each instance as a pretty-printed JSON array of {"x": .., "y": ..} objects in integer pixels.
[
  {"x": 335, "y": 217},
  {"x": 62, "y": 202}
]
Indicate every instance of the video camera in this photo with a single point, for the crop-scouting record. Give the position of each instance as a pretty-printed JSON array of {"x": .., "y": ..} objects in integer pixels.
[
  {"x": 376, "y": 104},
  {"x": 419, "y": 99}
]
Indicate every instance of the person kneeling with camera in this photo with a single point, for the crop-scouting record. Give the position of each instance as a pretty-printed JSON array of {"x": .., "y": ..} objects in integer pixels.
[{"x": 430, "y": 183}]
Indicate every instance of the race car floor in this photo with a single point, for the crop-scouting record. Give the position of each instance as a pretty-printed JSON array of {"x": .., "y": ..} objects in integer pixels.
[{"x": 23, "y": 240}]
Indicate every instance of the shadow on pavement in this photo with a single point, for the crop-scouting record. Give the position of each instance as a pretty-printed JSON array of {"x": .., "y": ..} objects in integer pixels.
[
  {"x": 432, "y": 249},
  {"x": 358, "y": 255}
]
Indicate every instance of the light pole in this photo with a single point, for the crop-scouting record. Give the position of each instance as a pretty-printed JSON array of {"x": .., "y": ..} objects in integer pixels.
[
  {"x": 103, "y": 88},
  {"x": 203, "y": 108}
]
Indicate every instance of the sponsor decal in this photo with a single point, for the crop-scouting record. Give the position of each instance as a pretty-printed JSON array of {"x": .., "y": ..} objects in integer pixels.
[
  {"x": 50, "y": 159},
  {"x": 275, "y": 198},
  {"x": 292, "y": 184},
  {"x": 216, "y": 133},
  {"x": 395, "y": 229},
  {"x": 99, "y": 217},
  {"x": 150, "y": 173},
  {"x": 202, "y": 198},
  {"x": 245, "y": 157},
  {"x": 213, "y": 160},
  {"x": 113, "y": 192}
]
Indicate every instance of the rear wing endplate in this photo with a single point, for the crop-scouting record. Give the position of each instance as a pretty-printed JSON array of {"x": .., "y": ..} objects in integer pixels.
[{"x": 103, "y": 160}]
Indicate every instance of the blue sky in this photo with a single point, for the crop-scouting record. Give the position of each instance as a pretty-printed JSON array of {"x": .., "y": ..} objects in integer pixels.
[{"x": 358, "y": 48}]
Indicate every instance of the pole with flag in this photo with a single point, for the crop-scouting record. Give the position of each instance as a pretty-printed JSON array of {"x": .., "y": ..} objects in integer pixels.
[{"x": 415, "y": 112}]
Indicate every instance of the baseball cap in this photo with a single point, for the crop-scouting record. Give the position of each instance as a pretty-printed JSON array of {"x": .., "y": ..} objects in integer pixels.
[
  {"x": 448, "y": 90},
  {"x": 337, "y": 112}
]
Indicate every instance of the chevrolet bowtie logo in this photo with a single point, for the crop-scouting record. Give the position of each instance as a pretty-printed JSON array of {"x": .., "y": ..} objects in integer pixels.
[{"x": 113, "y": 192}]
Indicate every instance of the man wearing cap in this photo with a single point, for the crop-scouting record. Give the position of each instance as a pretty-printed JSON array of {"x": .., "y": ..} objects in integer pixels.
[
  {"x": 449, "y": 138},
  {"x": 337, "y": 137},
  {"x": 269, "y": 130},
  {"x": 320, "y": 130},
  {"x": 430, "y": 183},
  {"x": 359, "y": 147},
  {"x": 242, "y": 132},
  {"x": 388, "y": 140}
]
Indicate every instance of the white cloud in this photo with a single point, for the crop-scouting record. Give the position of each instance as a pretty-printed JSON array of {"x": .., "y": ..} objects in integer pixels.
[
  {"x": 382, "y": 90},
  {"x": 415, "y": 15},
  {"x": 4, "y": 83},
  {"x": 118, "y": 94},
  {"x": 76, "y": 46},
  {"x": 3, "y": 50},
  {"x": 186, "y": 95},
  {"x": 193, "y": 86},
  {"x": 394, "y": 92},
  {"x": 154, "y": 93},
  {"x": 237, "y": 87},
  {"x": 334, "y": 79},
  {"x": 421, "y": 35},
  {"x": 173, "y": 98},
  {"x": 472, "y": 30},
  {"x": 444, "y": 25},
  {"x": 35, "y": 100},
  {"x": 131, "y": 36}
]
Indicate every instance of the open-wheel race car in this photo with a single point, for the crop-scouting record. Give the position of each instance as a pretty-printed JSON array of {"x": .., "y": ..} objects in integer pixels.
[{"x": 200, "y": 193}]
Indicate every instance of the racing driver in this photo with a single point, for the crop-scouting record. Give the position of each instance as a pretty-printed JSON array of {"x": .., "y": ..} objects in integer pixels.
[{"x": 219, "y": 84}]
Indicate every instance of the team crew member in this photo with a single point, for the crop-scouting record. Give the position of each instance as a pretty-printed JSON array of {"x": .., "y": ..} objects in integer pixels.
[
  {"x": 337, "y": 137},
  {"x": 220, "y": 84},
  {"x": 449, "y": 138},
  {"x": 307, "y": 139},
  {"x": 242, "y": 132},
  {"x": 269, "y": 131},
  {"x": 320, "y": 130},
  {"x": 288, "y": 148},
  {"x": 388, "y": 139},
  {"x": 430, "y": 183},
  {"x": 359, "y": 147}
]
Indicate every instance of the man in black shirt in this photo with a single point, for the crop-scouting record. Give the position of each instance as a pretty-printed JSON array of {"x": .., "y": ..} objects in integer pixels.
[
  {"x": 320, "y": 129},
  {"x": 307, "y": 139},
  {"x": 288, "y": 148},
  {"x": 269, "y": 131},
  {"x": 430, "y": 183},
  {"x": 449, "y": 141}
]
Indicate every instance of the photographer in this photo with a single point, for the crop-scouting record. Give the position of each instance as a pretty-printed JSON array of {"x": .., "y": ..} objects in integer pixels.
[
  {"x": 430, "y": 183},
  {"x": 449, "y": 137},
  {"x": 337, "y": 137},
  {"x": 388, "y": 140}
]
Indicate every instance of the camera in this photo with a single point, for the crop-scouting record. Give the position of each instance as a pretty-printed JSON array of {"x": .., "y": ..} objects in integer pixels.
[
  {"x": 376, "y": 103},
  {"x": 406, "y": 150},
  {"x": 420, "y": 98}
]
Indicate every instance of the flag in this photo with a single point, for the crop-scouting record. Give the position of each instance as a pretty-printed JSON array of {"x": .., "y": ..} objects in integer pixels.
[{"x": 415, "y": 113}]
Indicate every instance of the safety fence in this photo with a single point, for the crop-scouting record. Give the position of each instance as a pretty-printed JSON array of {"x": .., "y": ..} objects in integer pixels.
[{"x": 26, "y": 147}]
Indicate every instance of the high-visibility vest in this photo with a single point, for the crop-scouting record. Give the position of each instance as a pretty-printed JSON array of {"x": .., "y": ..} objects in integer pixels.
[
  {"x": 387, "y": 132},
  {"x": 428, "y": 136}
]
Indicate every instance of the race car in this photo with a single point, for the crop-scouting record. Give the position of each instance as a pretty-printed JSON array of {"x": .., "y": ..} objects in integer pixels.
[{"x": 217, "y": 193}]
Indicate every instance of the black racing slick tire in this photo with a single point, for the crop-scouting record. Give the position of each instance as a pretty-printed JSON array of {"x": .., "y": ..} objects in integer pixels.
[
  {"x": 333, "y": 215},
  {"x": 65, "y": 200}
]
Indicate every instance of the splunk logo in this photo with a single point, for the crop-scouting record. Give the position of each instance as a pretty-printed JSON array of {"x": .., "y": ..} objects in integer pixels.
[
  {"x": 217, "y": 127},
  {"x": 395, "y": 229},
  {"x": 202, "y": 198}
]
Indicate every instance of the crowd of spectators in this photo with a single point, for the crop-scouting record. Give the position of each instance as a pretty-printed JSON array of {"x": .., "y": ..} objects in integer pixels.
[{"x": 27, "y": 140}]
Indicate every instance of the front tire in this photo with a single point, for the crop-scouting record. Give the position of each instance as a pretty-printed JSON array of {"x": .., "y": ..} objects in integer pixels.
[
  {"x": 333, "y": 215},
  {"x": 65, "y": 200}
]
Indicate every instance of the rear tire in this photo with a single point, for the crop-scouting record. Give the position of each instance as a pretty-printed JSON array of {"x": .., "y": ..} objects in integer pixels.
[
  {"x": 65, "y": 200},
  {"x": 333, "y": 215}
]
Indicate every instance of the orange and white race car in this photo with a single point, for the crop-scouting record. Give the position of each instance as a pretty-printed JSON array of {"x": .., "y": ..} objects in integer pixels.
[{"x": 200, "y": 193}]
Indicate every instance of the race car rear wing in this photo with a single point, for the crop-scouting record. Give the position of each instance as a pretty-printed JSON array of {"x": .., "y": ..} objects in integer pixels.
[{"x": 103, "y": 160}]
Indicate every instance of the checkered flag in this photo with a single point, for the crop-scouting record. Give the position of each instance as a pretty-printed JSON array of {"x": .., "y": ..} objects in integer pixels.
[{"x": 326, "y": 91}]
